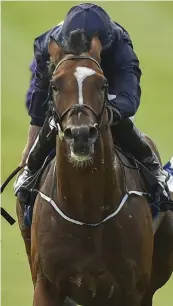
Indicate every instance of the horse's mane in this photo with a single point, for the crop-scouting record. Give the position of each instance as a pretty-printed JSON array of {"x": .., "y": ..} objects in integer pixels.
[{"x": 76, "y": 43}]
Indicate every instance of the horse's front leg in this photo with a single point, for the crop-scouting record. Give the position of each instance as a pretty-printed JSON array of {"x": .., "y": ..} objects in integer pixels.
[{"x": 46, "y": 295}]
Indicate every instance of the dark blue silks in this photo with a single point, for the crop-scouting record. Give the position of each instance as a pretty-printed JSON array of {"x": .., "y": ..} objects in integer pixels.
[{"x": 118, "y": 60}]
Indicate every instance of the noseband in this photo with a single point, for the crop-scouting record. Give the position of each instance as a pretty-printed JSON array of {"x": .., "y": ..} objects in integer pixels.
[{"x": 57, "y": 118}]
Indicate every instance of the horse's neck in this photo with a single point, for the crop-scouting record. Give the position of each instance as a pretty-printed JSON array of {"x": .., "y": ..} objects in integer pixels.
[{"x": 87, "y": 192}]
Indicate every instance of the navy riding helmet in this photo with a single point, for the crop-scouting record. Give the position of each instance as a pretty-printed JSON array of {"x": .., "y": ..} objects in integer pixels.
[{"x": 92, "y": 19}]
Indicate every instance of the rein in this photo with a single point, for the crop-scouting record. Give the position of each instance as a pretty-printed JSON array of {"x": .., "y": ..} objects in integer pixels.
[{"x": 57, "y": 118}]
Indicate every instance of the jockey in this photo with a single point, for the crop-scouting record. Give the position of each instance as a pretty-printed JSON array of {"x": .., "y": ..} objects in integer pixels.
[{"x": 121, "y": 68}]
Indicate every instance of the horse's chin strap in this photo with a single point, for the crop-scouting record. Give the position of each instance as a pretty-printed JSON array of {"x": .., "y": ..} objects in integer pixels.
[{"x": 112, "y": 215}]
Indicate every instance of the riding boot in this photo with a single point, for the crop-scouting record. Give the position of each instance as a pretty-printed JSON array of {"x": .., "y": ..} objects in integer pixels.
[
  {"x": 128, "y": 136},
  {"x": 43, "y": 145}
]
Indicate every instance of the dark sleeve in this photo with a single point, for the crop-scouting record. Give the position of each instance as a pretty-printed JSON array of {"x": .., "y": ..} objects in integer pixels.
[
  {"x": 126, "y": 84},
  {"x": 38, "y": 108}
]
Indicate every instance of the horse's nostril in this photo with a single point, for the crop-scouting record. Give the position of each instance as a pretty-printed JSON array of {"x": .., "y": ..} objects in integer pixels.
[
  {"x": 68, "y": 133},
  {"x": 93, "y": 131}
]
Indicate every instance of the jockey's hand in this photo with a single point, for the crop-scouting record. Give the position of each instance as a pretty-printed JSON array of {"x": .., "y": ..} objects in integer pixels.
[{"x": 116, "y": 114}]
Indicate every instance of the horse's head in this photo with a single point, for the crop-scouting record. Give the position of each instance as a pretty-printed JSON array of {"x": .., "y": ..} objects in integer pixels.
[{"x": 79, "y": 94}]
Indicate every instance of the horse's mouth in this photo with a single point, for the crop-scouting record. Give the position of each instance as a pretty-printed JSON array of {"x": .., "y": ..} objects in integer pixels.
[{"x": 81, "y": 159}]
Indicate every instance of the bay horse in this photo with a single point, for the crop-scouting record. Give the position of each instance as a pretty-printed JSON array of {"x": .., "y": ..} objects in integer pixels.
[{"x": 91, "y": 239}]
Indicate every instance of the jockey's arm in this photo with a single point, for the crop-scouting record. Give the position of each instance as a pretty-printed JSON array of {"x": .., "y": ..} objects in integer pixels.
[
  {"x": 126, "y": 85},
  {"x": 37, "y": 107}
]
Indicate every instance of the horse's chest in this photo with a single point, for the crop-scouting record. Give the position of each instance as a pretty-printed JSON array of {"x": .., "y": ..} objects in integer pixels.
[
  {"x": 85, "y": 276},
  {"x": 93, "y": 288},
  {"x": 72, "y": 251},
  {"x": 88, "y": 280},
  {"x": 87, "y": 269},
  {"x": 95, "y": 267}
]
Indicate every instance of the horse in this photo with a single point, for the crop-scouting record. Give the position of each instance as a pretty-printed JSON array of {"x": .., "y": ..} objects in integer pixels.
[{"x": 91, "y": 237}]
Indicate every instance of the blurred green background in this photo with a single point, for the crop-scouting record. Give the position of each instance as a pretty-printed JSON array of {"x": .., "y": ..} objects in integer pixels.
[{"x": 150, "y": 25}]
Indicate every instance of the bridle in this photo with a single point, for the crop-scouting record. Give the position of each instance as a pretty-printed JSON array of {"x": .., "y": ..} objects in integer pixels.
[{"x": 57, "y": 118}]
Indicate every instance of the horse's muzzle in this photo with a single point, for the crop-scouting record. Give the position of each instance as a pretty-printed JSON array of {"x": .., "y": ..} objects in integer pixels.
[{"x": 81, "y": 139}]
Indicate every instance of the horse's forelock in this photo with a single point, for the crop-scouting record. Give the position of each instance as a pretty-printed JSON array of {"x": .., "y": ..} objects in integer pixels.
[{"x": 77, "y": 42}]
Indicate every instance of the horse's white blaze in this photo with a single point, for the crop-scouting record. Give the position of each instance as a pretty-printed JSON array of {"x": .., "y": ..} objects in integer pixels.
[{"x": 81, "y": 74}]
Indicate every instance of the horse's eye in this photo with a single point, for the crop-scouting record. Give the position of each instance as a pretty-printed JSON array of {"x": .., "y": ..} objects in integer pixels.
[{"x": 54, "y": 87}]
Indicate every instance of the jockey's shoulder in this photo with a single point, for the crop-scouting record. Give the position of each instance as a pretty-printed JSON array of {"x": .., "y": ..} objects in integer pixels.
[
  {"x": 120, "y": 32},
  {"x": 41, "y": 42}
]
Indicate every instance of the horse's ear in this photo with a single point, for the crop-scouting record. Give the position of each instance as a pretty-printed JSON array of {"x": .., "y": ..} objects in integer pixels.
[
  {"x": 96, "y": 48},
  {"x": 55, "y": 50}
]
